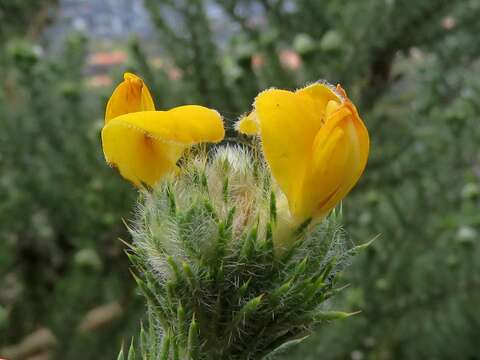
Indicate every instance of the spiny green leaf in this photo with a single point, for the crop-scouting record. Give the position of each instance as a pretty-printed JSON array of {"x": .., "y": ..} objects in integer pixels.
[
  {"x": 290, "y": 252},
  {"x": 247, "y": 310},
  {"x": 147, "y": 292},
  {"x": 165, "y": 348},
  {"x": 135, "y": 259},
  {"x": 131, "y": 352},
  {"x": 333, "y": 315},
  {"x": 268, "y": 244},
  {"x": 225, "y": 190},
  {"x": 176, "y": 351},
  {"x": 327, "y": 269},
  {"x": 143, "y": 339},
  {"x": 130, "y": 230},
  {"x": 283, "y": 347},
  {"x": 230, "y": 217},
  {"x": 249, "y": 244},
  {"x": 313, "y": 289},
  {"x": 128, "y": 245},
  {"x": 243, "y": 289},
  {"x": 120, "y": 354},
  {"x": 181, "y": 320},
  {"x": 273, "y": 208},
  {"x": 204, "y": 181},
  {"x": 279, "y": 292},
  {"x": 160, "y": 313},
  {"x": 171, "y": 293},
  {"x": 189, "y": 275},
  {"x": 174, "y": 267},
  {"x": 333, "y": 292},
  {"x": 355, "y": 250},
  {"x": 193, "y": 340},
  {"x": 225, "y": 233},
  {"x": 220, "y": 274},
  {"x": 172, "y": 205},
  {"x": 300, "y": 268},
  {"x": 207, "y": 205}
]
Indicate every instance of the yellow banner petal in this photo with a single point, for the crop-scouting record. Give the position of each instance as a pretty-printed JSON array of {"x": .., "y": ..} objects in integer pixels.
[
  {"x": 132, "y": 95},
  {"x": 321, "y": 94}
]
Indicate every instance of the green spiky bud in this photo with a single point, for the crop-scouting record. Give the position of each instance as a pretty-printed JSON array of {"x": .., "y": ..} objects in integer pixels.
[{"x": 225, "y": 270}]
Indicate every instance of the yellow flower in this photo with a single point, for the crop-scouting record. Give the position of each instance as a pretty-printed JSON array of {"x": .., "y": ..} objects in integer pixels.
[
  {"x": 314, "y": 142},
  {"x": 145, "y": 144}
]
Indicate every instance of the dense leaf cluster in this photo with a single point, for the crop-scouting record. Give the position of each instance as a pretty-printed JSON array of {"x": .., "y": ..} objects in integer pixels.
[{"x": 60, "y": 208}]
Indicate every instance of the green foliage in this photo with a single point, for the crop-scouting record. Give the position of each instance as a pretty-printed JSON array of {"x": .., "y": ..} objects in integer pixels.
[
  {"x": 61, "y": 207},
  {"x": 24, "y": 17},
  {"x": 222, "y": 278}
]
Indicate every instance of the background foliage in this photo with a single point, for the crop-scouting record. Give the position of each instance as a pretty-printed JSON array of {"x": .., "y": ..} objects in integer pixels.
[{"x": 410, "y": 66}]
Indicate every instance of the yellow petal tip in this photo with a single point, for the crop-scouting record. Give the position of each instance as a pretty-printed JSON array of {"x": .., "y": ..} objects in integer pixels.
[{"x": 248, "y": 125}]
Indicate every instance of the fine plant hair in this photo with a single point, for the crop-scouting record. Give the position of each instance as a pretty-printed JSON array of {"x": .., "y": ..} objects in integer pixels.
[{"x": 225, "y": 273}]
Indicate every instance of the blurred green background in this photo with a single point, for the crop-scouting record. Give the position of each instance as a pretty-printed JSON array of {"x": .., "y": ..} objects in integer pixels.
[{"x": 411, "y": 66}]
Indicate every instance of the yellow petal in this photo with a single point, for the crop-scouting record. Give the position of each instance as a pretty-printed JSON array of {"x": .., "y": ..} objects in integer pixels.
[
  {"x": 359, "y": 141},
  {"x": 332, "y": 122},
  {"x": 138, "y": 157},
  {"x": 332, "y": 106},
  {"x": 340, "y": 153},
  {"x": 321, "y": 94},
  {"x": 132, "y": 95},
  {"x": 324, "y": 178},
  {"x": 145, "y": 146},
  {"x": 288, "y": 126},
  {"x": 192, "y": 124},
  {"x": 248, "y": 124}
]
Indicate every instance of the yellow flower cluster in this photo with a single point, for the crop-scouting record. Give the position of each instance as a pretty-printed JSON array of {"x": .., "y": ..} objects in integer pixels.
[{"x": 313, "y": 140}]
